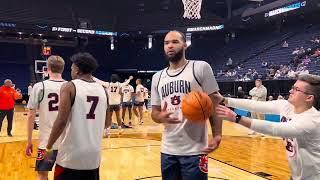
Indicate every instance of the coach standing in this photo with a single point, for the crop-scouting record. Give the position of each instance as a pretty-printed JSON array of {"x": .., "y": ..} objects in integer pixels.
[{"x": 8, "y": 95}]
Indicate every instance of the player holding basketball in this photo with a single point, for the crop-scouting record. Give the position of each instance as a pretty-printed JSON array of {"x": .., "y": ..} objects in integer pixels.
[
  {"x": 81, "y": 117},
  {"x": 127, "y": 92},
  {"x": 185, "y": 144},
  {"x": 300, "y": 122},
  {"x": 45, "y": 96},
  {"x": 139, "y": 101}
]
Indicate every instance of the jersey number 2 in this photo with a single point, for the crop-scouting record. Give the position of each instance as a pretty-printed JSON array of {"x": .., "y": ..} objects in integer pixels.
[
  {"x": 53, "y": 103},
  {"x": 94, "y": 100}
]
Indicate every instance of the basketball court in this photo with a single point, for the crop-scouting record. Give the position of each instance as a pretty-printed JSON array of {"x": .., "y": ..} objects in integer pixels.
[{"x": 135, "y": 154}]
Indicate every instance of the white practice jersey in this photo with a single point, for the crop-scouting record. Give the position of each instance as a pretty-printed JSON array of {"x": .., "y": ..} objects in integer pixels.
[
  {"x": 45, "y": 96},
  {"x": 127, "y": 92},
  {"x": 139, "y": 93},
  {"x": 114, "y": 93},
  {"x": 300, "y": 132},
  {"x": 80, "y": 147},
  {"x": 185, "y": 138}
]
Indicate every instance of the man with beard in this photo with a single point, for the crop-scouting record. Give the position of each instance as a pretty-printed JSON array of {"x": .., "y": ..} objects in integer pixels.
[{"x": 185, "y": 145}]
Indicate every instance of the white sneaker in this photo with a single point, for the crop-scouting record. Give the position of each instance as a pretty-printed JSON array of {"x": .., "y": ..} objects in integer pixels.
[{"x": 252, "y": 133}]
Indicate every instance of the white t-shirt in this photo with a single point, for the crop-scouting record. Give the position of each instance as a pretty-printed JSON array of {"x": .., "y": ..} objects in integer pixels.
[
  {"x": 80, "y": 147},
  {"x": 139, "y": 93},
  {"x": 45, "y": 97},
  {"x": 127, "y": 93},
  {"x": 185, "y": 138},
  {"x": 301, "y": 133},
  {"x": 113, "y": 90}
]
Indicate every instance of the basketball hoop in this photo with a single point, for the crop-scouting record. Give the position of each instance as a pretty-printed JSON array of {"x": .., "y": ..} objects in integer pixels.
[{"x": 192, "y": 9}]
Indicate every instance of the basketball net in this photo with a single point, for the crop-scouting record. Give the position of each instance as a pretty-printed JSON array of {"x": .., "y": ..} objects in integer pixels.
[{"x": 192, "y": 9}]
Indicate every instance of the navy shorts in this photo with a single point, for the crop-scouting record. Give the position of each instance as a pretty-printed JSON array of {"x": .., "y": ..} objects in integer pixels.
[
  {"x": 43, "y": 164},
  {"x": 127, "y": 104},
  {"x": 138, "y": 103},
  {"x": 62, "y": 173},
  {"x": 184, "y": 167},
  {"x": 112, "y": 108}
]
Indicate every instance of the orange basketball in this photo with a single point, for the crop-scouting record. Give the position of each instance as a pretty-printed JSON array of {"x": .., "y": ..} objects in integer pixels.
[{"x": 197, "y": 106}]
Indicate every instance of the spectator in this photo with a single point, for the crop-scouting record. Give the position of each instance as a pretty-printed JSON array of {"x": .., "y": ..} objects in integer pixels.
[
  {"x": 240, "y": 93},
  {"x": 304, "y": 70},
  {"x": 316, "y": 53},
  {"x": 295, "y": 52},
  {"x": 280, "y": 97},
  {"x": 270, "y": 98},
  {"x": 258, "y": 93},
  {"x": 301, "y": 50},
  {"x": 8, "y": 95},
  {"x": 285, "y": 44},
  {"x": 229, "y": 62},
  {"x": 306, "y": 60},
  {"x": 264, "y": 64}
]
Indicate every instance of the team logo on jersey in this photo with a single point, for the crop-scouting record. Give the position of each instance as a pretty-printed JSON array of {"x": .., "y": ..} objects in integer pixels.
[
  {"x": 203, "y": 163},
  {"x": 175, "y": 100},
  {"x": 289, "y": 142},
  {"x": 174, "y": 87}
]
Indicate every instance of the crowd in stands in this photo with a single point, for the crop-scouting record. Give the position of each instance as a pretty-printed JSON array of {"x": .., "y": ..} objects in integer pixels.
[{"x": 298, "y": 62}]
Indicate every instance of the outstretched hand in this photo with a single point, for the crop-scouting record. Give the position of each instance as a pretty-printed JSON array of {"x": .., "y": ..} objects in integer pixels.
[{"x": 225, "y": 113}]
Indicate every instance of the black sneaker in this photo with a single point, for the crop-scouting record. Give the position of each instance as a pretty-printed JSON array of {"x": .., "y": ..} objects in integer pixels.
[{"x": 9, "y": 134}]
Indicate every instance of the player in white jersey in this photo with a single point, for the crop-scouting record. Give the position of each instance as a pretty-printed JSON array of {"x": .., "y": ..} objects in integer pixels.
[
  {"x": 139, "y": 101},
  {"x": 127, "y": 92},
  {"x": 299, "y": 126},
  {"x": 185, "y": 145},
  {"x": 80, "y": 123},
  {"x": 113, "y": 88},
  {"x": 146, "y": 98},
  {"x": 44, "y": 97}
]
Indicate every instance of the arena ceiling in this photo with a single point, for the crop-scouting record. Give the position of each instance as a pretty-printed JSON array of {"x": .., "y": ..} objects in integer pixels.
[{"x": 115, "y": 15}]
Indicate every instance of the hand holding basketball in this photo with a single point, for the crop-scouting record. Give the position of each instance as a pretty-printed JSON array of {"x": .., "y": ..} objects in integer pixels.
[{"x": 197, "y": 106}]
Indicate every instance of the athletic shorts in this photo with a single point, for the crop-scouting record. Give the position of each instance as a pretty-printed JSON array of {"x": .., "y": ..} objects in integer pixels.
[
  {"x": 61, "y": 173},
  {"x": 43, "y": 164},
  {"x": 138, "y": 103},
  {"x": 127, "y": 104},
  {"x": 112, "y": 108},
  {"x": 184, "y": 167}
]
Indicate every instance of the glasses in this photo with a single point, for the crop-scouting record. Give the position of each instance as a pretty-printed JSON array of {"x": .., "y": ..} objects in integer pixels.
[{"x": 295, "y": 89}]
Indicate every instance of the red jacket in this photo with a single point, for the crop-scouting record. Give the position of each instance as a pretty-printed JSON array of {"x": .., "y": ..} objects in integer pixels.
[{"x": 7, "y": 97}]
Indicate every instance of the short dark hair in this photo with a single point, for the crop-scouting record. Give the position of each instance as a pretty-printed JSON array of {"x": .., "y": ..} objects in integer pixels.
[
  {"x": 86, "y": 63},
  {"x": 114, "y": 78},
  {"x": 183, "y": 37},
  {"x": 313, "y": 88}
]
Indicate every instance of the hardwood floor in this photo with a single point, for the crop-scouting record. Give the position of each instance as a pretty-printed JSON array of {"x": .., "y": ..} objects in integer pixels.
[{"x": 135, "y": 154}]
